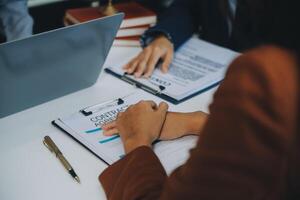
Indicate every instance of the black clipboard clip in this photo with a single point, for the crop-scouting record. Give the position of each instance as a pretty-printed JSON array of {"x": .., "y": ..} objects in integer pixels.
[
  {"x": 142, "y": 86},
  {"x": 98, "y": 107}
]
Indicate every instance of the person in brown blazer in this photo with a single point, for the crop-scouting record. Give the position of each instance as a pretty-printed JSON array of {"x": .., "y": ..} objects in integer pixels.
[{"x": 249, "y": 145}]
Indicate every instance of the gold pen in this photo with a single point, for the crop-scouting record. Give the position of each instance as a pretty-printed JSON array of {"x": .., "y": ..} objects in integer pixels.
[{"x": 48, "y": 142}]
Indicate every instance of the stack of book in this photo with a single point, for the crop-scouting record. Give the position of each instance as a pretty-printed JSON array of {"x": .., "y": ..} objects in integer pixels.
[{"x": 137, "y": 20}]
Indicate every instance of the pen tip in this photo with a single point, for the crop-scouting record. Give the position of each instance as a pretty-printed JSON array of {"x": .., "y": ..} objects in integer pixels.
[{"x": 77, "y": 179}]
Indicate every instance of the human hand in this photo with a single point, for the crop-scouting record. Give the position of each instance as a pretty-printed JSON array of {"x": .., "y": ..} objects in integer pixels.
[
  {"x": 139, "y": 125},
  {"x": 180, "y": 124},
  {"x": 176, "y": 125},
  {"x": 144, "y": 64}
]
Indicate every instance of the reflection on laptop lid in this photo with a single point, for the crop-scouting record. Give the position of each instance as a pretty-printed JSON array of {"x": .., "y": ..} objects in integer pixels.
[{"x": 52, "y": 64}]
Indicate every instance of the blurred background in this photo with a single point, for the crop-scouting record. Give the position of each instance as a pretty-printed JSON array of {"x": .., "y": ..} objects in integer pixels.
[
  {"x": 15, "y": 23},
  {"x": 48, "y": 14}
]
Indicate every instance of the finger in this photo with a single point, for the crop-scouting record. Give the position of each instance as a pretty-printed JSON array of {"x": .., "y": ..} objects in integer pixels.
[
  {"x": 118, "y": 116},
  {"x": 143, "y": 59},
  {"x": 162, "y": 107},
  {"x": 151, "y": 103},
  {"x": 140, "y": 69},
  {"x": 127, "y": 66},
  {"x": 132, "y": 66},
  {"x": 111, "y": 132},
  {"x": 167, "y": 61},
  {"x": 153, "y": 60},
  {"x": 109, "y": 125}
]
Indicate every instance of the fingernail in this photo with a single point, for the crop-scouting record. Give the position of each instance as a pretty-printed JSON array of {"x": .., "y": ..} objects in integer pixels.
[{"x": 137, "y": 75}]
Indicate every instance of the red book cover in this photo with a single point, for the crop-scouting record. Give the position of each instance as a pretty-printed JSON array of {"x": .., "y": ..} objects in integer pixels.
[
  {"x": 127, "y": 41},
  {"x": 135, "y": 14},
  {"x": 132, "y": 31}
]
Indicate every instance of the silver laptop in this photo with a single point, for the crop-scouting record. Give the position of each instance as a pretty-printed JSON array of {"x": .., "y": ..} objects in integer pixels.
[{"x": 52, "y": 64}]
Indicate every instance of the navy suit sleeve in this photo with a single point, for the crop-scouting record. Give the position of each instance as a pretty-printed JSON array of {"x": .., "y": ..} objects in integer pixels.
[{"x": 179, "y": 21}]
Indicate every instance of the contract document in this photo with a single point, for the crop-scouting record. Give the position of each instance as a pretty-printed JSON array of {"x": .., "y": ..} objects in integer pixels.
[
  {"x": 197, "y": 66},
  {"x": 85, "y": 127}
]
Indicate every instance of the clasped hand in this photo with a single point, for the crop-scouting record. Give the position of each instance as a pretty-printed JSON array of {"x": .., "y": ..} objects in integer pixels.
[
  {"x": 143, "y": 123},
  {"x": 139, "y": 125}
]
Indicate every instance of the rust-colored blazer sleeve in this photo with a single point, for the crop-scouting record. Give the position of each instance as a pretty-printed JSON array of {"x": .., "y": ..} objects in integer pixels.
[{"x": 242, "y": 152}]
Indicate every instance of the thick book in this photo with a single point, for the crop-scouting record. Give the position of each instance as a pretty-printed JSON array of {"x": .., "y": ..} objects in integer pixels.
[
  {"x": 133, "y": 31},
  {"x": 133, "y": 41},
  {"x": 125, "y": 33},
  {"x": 85, "y": 127},
  {"x": 135, "y": 14},
  {"x": 197, "y": 66}
]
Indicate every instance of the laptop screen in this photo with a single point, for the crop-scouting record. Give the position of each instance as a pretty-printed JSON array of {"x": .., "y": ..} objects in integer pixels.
[{"x": 52, "y": 64}]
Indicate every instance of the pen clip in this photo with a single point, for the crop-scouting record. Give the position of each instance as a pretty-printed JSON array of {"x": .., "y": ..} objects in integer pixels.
[
  {"x": 46, "y": 145},
  {"x": 51, "y": 145}
]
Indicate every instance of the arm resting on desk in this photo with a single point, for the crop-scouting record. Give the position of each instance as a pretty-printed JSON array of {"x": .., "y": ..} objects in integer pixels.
[{"x": 242, "y": 152}]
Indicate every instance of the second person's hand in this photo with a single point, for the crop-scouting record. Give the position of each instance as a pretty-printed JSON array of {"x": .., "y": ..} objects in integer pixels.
[
  {"x": 178, "y": 124},
  {"x": 144, "y": 64}
]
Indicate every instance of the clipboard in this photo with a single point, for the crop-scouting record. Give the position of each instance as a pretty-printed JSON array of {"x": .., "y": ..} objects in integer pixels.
[
  {"x": 165, "y": 150},
  {"x": 159, "y": 92},
  {"x": 197, "y": 66}
]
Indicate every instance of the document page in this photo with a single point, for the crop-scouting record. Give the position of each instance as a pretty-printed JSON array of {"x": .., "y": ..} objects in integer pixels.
[
  {"x": 196, "y": 66},
  {"x": 87, "y": 130}
]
